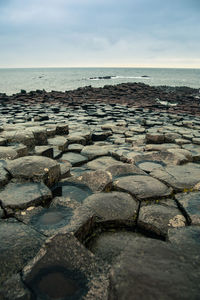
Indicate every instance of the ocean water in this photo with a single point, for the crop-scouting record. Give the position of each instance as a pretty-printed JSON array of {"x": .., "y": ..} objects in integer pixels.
[{"x": 62, "y": 79}]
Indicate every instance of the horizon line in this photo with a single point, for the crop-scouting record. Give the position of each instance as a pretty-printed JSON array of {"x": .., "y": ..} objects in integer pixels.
[{"x": 99, "y": 67}]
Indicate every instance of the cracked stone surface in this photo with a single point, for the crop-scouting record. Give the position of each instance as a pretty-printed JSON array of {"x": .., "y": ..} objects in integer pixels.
[{"x": 179, "y": 177}]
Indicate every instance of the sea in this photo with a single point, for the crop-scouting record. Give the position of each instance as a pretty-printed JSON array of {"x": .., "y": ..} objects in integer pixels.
[{"x": 62, "y": 79}]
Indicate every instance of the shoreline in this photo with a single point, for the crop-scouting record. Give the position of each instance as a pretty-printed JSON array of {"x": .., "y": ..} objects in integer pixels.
[{"x": 181, "y": 99}]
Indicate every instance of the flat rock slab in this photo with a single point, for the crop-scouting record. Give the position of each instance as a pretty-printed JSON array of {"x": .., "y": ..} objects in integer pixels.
[
  {"x": 74, "y": 158},
  {"x": 59, "y": 141},
  {"x": 36, "y": 168},
  {"x": 157, "y": 219},
  {"x": 102, "y": 163},
  {"x": 108, "y": 245},
  {"x": 112, "y": 206},
  {"x": 153, "y": 269},
  {"x": 179, "y": 177},
  {"x": 120, "y": 169},
  {"x": 191, "y": 204},
  {"x": 22, "y": 195},
  {"x": 97, "y": 181},
  {"x": 162, "y": 157},
  {"x": 142, "y": 187},
  {"x": 95, "y": 151},
  {"x": 19, "y": 244},
  {"x": 65, "y": 269}
]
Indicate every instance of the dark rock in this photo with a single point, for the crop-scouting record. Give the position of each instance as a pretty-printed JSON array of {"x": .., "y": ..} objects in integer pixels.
[
  {"x": 142, "y": 187},
  {"x": 37, "y": 168},
  {"x": 190, "y": 203},
  {"x": 157, "y": 266},
  {"x": 64, "y": 268},
  {"x": 19, "y": 244},
  {"x": 74, "y": 159}
]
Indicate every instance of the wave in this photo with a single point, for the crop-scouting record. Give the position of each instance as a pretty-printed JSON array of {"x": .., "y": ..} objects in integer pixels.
[{"x": 118, "y": 77}]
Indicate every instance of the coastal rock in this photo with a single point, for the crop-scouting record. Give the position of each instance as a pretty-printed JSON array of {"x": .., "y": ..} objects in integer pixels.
[
  {"x": 115, "y": 206},
  {"x": 179, "y": 177},
  {"x": 119, "y": 170},
  {"x": 102, "y": 163},
  {"x": 151, "y": 258},
  {"x": 4, "y": 176},
  {"x": 64, "y": 268},
  {"x": 20, "y": 292},
  {"x": 95, "y": 151},
  {"x": 74, "y": 159},
  {"x": 8, "y": 153},
  {"x": 142, "y": 187},
  {"x": 44, "y": 151},
  {"x": 22, "y": 136},
  {"x": 19, "y": 243},
  {"x": 97, "y": 181},
  {"x": 21, "y": 195},
  {"x": 190, "y": 203},
  {"x": 157, "y": 219},
  {"x": 36, "y": 168},
  {"x": 58, "y": 141}
]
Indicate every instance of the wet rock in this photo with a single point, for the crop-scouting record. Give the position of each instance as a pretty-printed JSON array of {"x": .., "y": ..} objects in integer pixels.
[
  {"x": 25, "y": 137},
  {"x": 157, "y": 219},
  {"x": 77, "y": 192},
  {"x": 21, "y": 195},
  {"x": 190, "y": 203},
  {"x": 179, "y": 177},
  {"x": 142, "y": 187},
  {"x": 49, "y": 221},
  {"x": 114, "y": 206},
  {"x": 156, "y": 264},
  {"x": 74, "y": 159},
  {"x": 97, "y": 181},
  {"x": 59, "y": 141},
  {"x": 19, "y": 244},
  {"x": 64, "y": 268},
  {"x": 36, "y": 168}
]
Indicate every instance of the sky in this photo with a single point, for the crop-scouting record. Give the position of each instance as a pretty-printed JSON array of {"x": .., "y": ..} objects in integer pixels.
[{"x": 100, "y": 33}]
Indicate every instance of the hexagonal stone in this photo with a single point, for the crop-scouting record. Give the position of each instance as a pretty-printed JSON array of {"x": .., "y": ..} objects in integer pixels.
[
  {"x": 110, "y": 244},
  {"x": 191, "y": 205},
  {"x": 8, "y": 153},
  {"x": 95, "y": 151},
  {"x": 75, "y": 147},
  {"x": 25, "y": 137},
  {"x": 113, "y": 206},
  {"x": 62, "y": 128},
  {"x": 19, "y": 243},
  {"x": 40, "y": 135},
  {"x": 49, "y": 220},
  {"x": 44, "y": 151},
  {"x": 59, "y": 141},
  {"x": 1, "y": 213},
  {"x": 179, "y": 177},
  {"x": 65, "y": 269},
  {"x": 120, "y": 169},
  {"x": 74, "y": 190},
  {"x": 74, "y": 158},
  {"x": 102, "y": 163},
  {"x": 158, "y": 219},
  {"x": 21, "y": 195},
  {"x": 194, "y": 150},
  {"x": 97, "y": 181},
  {"x": 153, "y": 269},
  {"x": 37, "y": 168},
  {"x": 142, "y": 187},
  {"x": 156, "y": 138}
]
